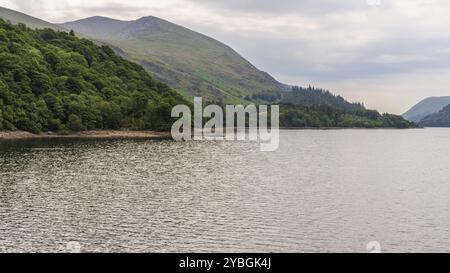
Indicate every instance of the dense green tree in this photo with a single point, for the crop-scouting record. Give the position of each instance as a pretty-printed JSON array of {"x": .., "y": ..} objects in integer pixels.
[
  {"x": 3, "y": 36},
  {"x": 74, "y": 123},
  {"x": 1, "y": 115},
  {"x": 316, "y": 96},
  {"x": 40, "y": 83}
]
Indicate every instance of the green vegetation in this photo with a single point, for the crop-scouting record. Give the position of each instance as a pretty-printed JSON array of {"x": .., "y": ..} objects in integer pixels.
[
  {"x": 317, "y": 108},
  {"x": 313, "y": 96},
  {"x": 294, "y": 116},
  {"x": 306, "y": 97},
  {"x": 54, "y": 81}
]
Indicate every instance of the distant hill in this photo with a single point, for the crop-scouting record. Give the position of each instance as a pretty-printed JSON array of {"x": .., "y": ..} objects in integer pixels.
[
  {"x": 186, "y": 60},
  {"x": 17, "y": 17},
  {"x": 426, "y": 107},
  {"x": 439, "y": 119}
]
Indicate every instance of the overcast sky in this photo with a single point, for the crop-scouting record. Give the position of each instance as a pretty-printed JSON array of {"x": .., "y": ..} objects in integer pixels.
[{"x": 387, "y": 53}]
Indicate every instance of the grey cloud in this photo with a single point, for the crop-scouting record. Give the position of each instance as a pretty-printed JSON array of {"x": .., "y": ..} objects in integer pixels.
[
  {"x": 29, "y": 6},
  {"x": 319, "y": 55},
  {"x": 297, "y": 57},
  {"x": 114, "y": 7},
  {"x": 312, "y": 7}
]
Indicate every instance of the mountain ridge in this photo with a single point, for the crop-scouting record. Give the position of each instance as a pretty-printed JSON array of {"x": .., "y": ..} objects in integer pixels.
[
  {"x": 209, "y": 67},
  {"x": 426, "y": 107},
  {"x": 439, "y": 119}
]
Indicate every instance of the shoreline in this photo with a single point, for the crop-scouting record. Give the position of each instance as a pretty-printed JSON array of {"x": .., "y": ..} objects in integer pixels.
[
  {"x": 150, "y": 135},
  {"x": 106, "y": 134},
  {"x": 349, "y": 128}
]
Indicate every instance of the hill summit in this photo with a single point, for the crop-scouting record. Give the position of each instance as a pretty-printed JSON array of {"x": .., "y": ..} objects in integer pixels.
[{"x": 184, "y": 59}]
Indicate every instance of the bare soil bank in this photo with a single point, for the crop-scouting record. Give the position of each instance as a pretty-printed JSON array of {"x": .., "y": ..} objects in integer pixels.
[
  {"x": 17, "y": 135},
  {"x": 112, "y": 134}
]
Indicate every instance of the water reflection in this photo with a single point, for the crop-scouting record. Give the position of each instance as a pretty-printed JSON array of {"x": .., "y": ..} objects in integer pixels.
[{"x": 323, "y": 191}]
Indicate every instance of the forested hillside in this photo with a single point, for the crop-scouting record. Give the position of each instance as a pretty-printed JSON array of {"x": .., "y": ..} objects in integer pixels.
[
  {"x": 439, "y": 119},
  {"x": 309, "y": 96},
  {"x": 54, "y": 81},
  {"x": 323, "y": 116},
  {"x": 426, "y": 107}
]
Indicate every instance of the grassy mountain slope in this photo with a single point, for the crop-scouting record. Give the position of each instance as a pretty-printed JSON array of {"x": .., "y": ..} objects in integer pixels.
[
  {"x": 186, "y": 60},
  {"x": 16, "y": 17},
  {"x": 55, "y": 81},
  {"x": 439, "y": 119},
  {"x": 426, "y": 107}
]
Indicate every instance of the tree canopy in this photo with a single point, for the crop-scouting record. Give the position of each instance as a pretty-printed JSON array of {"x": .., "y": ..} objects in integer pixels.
[
  {"x": 54, "y": 81},
  {"x": 317, "y": 116}
]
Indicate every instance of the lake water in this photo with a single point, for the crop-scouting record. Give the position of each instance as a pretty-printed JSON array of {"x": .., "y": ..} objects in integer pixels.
[{"x": 323, "y": 191}]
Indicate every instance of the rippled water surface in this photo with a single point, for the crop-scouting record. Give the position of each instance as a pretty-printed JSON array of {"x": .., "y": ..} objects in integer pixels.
[{"x": 323, "y": 191}]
